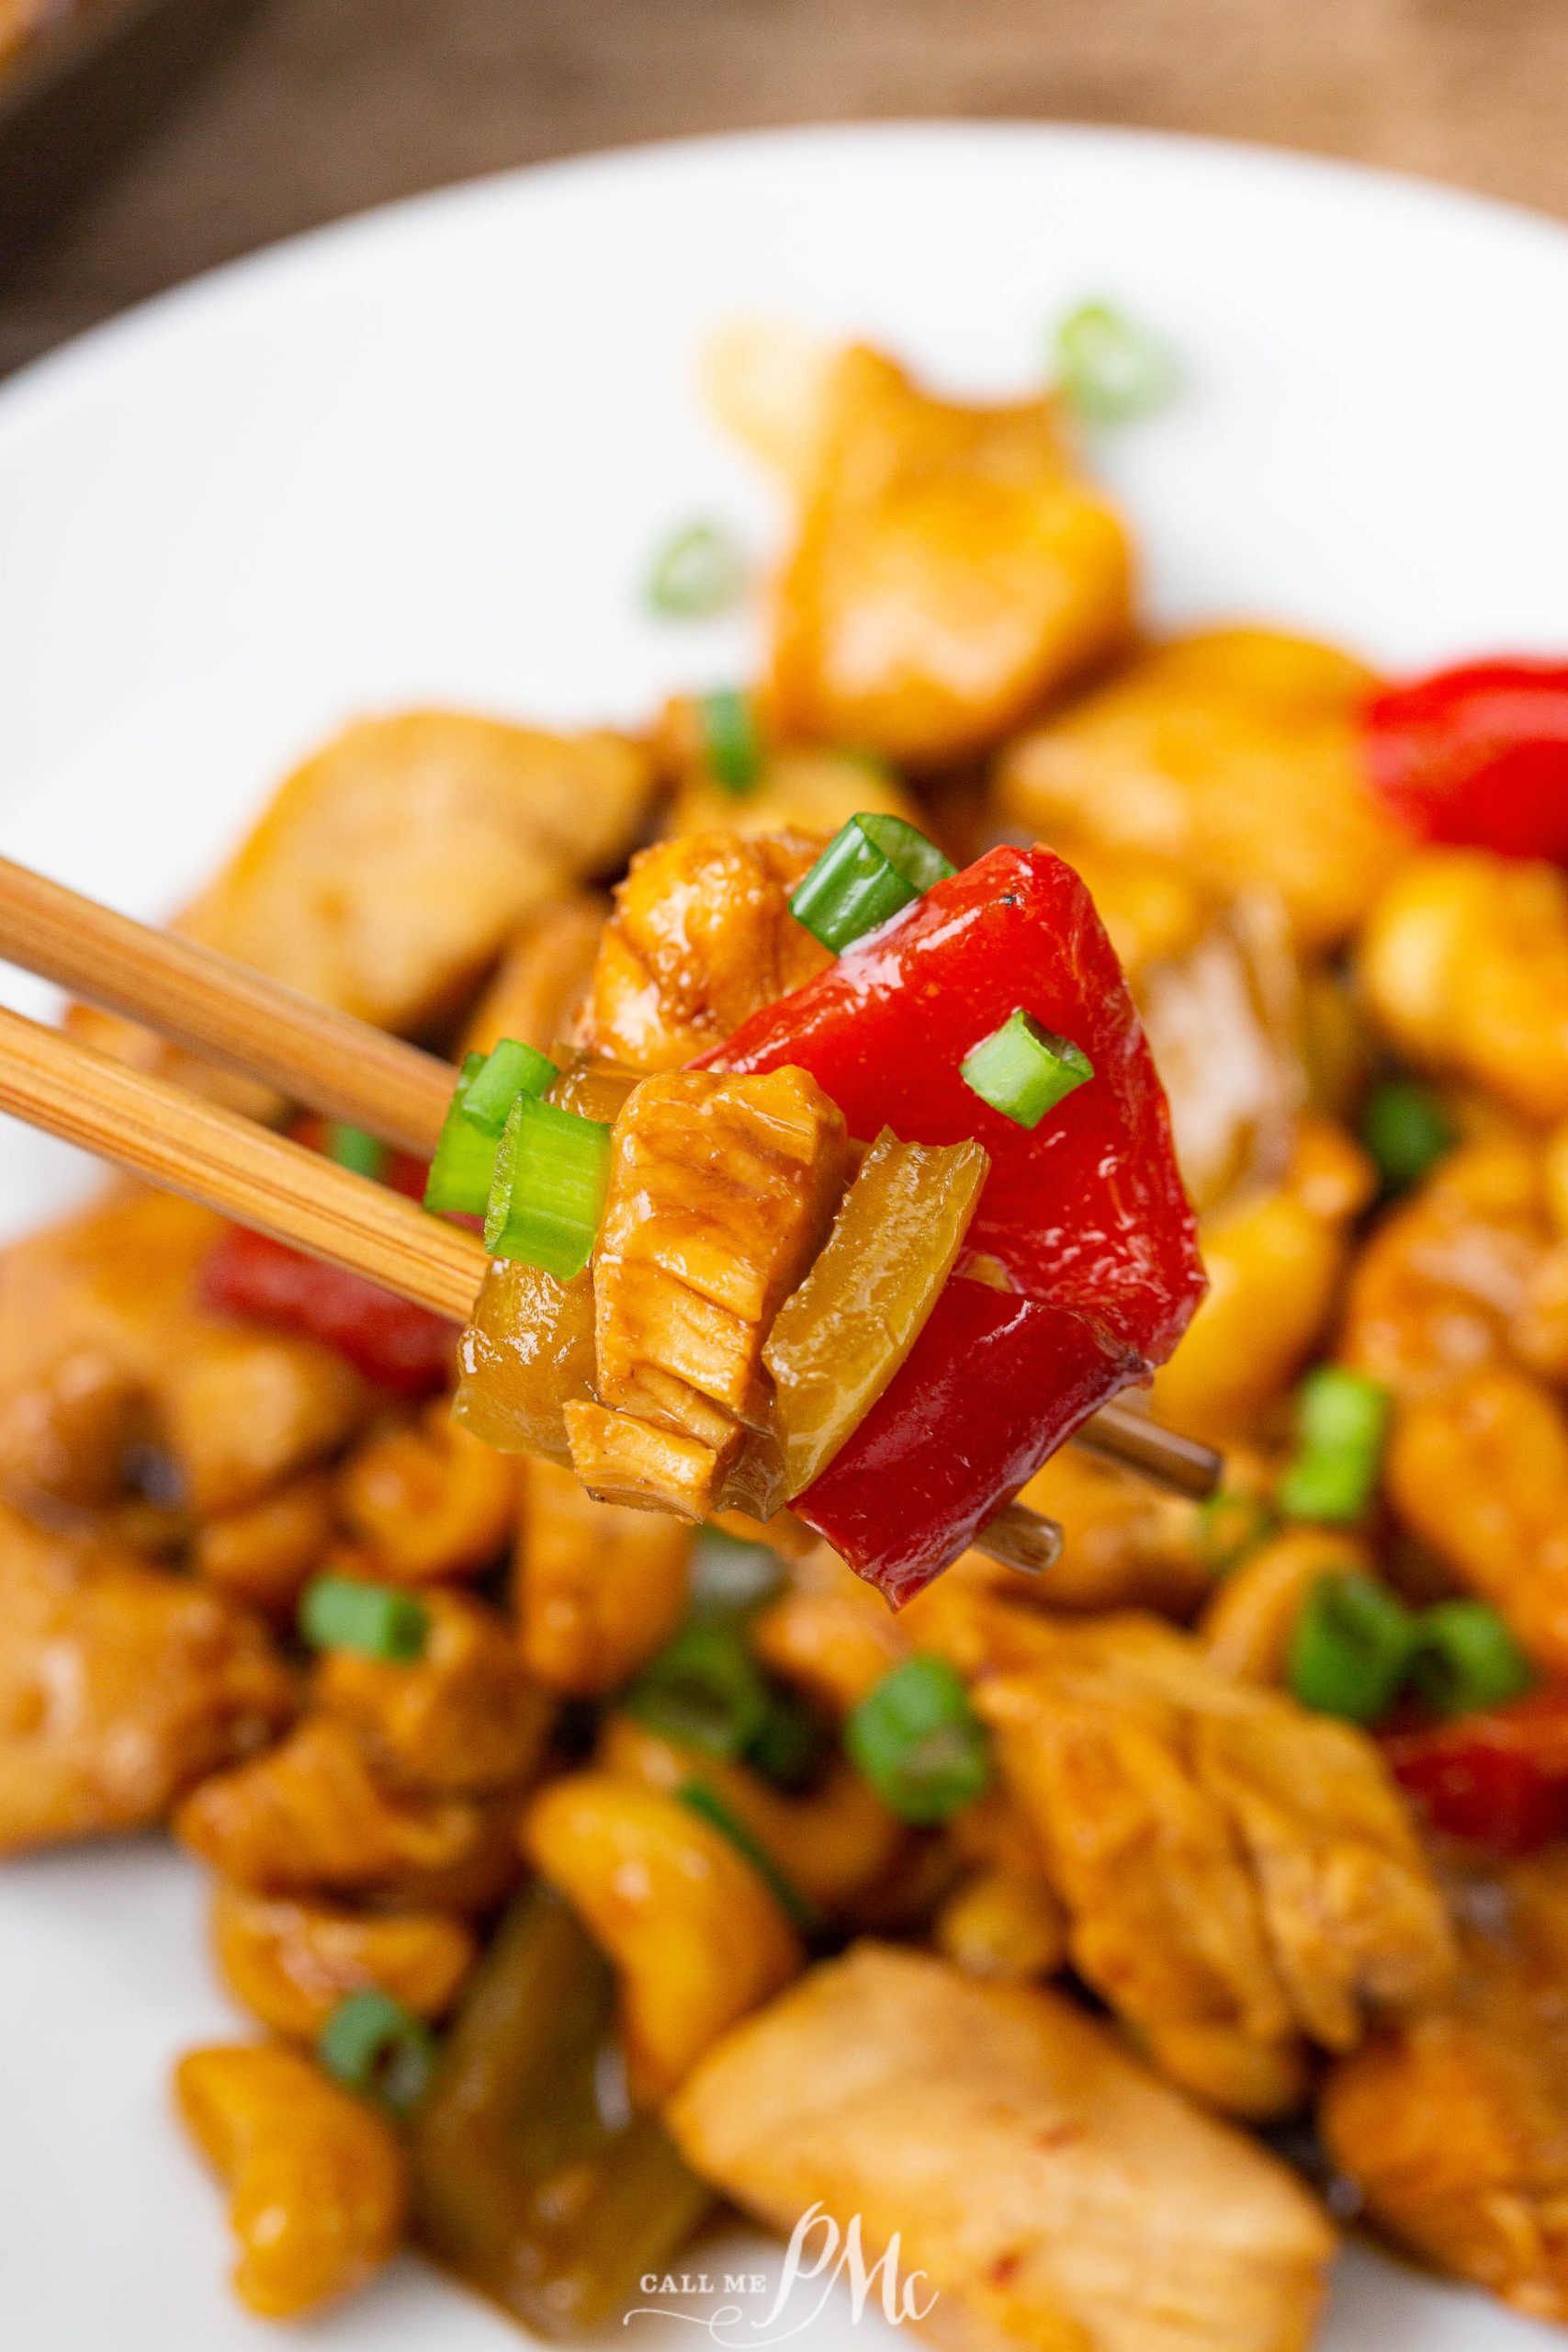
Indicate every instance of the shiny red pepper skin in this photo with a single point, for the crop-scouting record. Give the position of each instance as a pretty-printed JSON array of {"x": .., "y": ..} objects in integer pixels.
[
  {"x": 1498, "y": 1780},
  {"x": 1477, "y": 757},
  {"x": 1086, "y": 1212},
  {"x": 401, "y": 1347}
]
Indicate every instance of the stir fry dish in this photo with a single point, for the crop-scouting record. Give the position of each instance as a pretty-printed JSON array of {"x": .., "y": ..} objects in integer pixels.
[{"x": 631, "y": 1777}]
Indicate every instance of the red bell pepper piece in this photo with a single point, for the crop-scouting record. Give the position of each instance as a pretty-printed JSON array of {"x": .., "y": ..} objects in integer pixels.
[
  {"x": 1497, "y": 1778},
  {"x": 1086, "y": 1213},
  {"x": 399, "y": 1346},
  {"x": 1477, "y": 756}
]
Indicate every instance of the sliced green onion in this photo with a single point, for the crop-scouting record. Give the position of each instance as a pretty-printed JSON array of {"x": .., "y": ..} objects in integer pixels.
[
  {"x": 872, "y": 867},
  {"x": 1406, "y": 1130},
  {"x": 920, "y": 1743},
  {"x": 552, "y": 1168},
  {"x": 703, "y": 1689},
  {"x": 1351, "y": 1648},
  {"x": 698, "y": 571},
  {"x": 372, "y": 2044},
  {"x": 732, "y": 743},
  {"x": 701, "y": 1800},
  {"x": 1024, "y": 1070},
  {"x": 1466, "y": 1657},
  {"x": 509, "y": 1070},
  {"x": 1110, "y": 369},
  {"x": 345, "y": 1614},
  {"x": 1231, "y": 1524},
  {"x": 1341, "y": 1422},
  {"x": 356, "y": 1148},
  {"x": 463, "y": 1170},
  {"x": 787, "y": 1747},
  {"x": 463, "y": 1165}
]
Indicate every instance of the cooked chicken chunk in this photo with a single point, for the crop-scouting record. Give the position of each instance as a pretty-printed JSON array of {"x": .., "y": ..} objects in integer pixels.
[
  {"x": 1041, "y": 2187},
  {"x": 598, "y": 1587},
  {"x": 701, "y": 936},
  {"x": 118, "y": 1687},
  {"x": 1218, "y": 991},
  {"x": 105, "y": 1350},
  {"x": 1233, "y": 752},
  {"x": 392, "y": 869},
  {"x": 952, "y": 571},
  {"x": 1445, "y": 1277},
  {"x": 459, "y": 1719},
  {"x": 721, "y": 1191},
  {"x": 540, "y": 983},
  {"x": 1455, "y": 2124},
  {"x": 1240, "y": 1874},
  {"x": 311, "y": 1817}
]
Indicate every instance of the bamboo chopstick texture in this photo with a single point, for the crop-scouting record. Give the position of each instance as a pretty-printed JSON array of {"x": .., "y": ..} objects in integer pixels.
[
  {"x": 224, "y": 1012},
  {"x": 174, "y": 1139}
]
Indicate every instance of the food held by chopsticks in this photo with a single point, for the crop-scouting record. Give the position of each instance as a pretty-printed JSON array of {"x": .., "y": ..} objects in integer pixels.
[{"x": 855, "y": 1077}]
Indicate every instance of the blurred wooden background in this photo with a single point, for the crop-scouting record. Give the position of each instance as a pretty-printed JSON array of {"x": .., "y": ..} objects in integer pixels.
[{"x": 307, "y": 109}]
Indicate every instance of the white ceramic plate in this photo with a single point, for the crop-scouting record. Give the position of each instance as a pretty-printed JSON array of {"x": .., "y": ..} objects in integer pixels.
[{"x": 425, "y": 455}]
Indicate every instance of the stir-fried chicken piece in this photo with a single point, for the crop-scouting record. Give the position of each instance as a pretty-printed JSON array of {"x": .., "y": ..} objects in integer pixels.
[
  {"x": 1240, "y": 1873},
  {"x": 701, "y": 936},
  {"x": 1042, "y": 2188},
  {"x": 1455, "y": 2125},
  {"x": 953, "y": 569},
  {"x": 313, "y": 1818},
  {"x": 721, "y": 1193},
  {"x": 392, "y": 868},
  {"x": 1218, "y": 991},
  {"x": 105, "y": 1353},
  {"x": 1444, "y": 1279},
  {"x": 1478, "y": 1470},
  {"x": 598, "y": 1588},
  {"x": 119, "y": 1686},
  {"x": 540, "y": 983},
  {"x": 1233, "y": 752}
]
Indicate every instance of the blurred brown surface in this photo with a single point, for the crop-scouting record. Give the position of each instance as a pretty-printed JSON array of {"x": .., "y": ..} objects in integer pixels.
[{"x": 319, "y": 107}]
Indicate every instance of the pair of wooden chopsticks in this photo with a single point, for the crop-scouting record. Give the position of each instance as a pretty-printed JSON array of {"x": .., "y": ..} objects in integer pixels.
[{"x": 229, "y": 1014}]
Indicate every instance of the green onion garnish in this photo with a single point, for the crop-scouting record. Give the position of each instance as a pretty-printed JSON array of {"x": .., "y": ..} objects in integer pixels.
[
  {"x": 1110, "y": 369},
  {"x": 345, "y": 1614},
  {"x": 372, "y": 2044},
  {"x": 509, "y": 1070},
  {"x": 919, "y": 1742},
  {"x": 1351, "y": 1648},
  {"x": 1231, "y": 1524},
  {"x": 787, "y": 1747},
  {"x": 697, "y": 572},
  {"x": 552, "y": 1168},
  {"x": 701, "y": 1800},
  {"x": 872, "y": 867},
  {"x": 703, "y": 1689},
  {"x": 356, "y": 1148},
  {"x": 1024, "y": 1070},
  {"x": 1466, "y": 1657},
  {"x": 1406, "y": 1130},
  {"x": 463, "y": 1169},
  {"x": 463, "y": 1164},
  {"x": 732, "y": 743},
  {"x": 1341, "y": 1422}
]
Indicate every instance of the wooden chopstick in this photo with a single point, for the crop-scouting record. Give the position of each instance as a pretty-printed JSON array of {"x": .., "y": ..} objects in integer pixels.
[
  {"x": 226, "y": 1012},
  {"x": 174, "y": 1139}
]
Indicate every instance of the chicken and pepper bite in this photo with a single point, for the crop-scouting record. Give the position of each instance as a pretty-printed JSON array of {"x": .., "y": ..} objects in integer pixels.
[{"x": 862, "y": 1079}]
